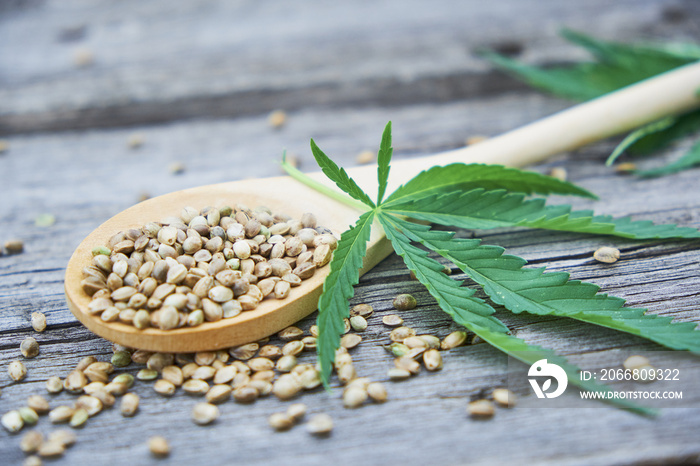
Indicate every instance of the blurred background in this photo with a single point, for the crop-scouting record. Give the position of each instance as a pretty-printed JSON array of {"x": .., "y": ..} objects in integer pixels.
[{"x": 156, "y": 95}]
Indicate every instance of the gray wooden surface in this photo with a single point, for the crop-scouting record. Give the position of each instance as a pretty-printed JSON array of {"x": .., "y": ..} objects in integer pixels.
[{"x": 196, "y": 79}]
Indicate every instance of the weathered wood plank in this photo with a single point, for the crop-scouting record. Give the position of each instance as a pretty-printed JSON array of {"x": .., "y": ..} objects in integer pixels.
[
  {"x": 155, "y": 63},
  {"x": 425, "y": 417}
]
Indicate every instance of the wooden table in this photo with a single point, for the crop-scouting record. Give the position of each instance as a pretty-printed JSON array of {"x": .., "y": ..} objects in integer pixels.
[{"x": 197, "y": 79}]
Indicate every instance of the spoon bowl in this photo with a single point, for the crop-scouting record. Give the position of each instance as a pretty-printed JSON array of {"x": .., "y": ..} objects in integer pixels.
[{"x": 671, "y": 93}]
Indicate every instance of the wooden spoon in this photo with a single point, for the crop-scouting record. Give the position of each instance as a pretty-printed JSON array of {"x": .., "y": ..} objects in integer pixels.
[{"x": 672, "y": 93}]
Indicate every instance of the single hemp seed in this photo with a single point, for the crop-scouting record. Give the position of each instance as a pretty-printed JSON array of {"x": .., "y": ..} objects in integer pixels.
[
  {"x": 405, "y": 302},
  {"x": 606, "y": 255},
  {"x": 159, "y": 446}
]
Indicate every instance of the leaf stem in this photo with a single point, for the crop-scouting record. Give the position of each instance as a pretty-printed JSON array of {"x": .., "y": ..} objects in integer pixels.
[{"x": 320, "y": 187}]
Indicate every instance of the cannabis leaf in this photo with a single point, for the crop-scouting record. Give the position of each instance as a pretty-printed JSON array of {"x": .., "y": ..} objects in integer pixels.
[
  {"x": 339, "y": 176},
  {"x": 478, "y": 196},
  {"x": 616, "y": 66},
  {"x": 338, "y": 288}
]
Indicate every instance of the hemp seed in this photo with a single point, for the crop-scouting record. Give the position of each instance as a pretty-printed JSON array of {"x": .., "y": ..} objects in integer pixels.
[
  {"x": 29, "y": 348},
  {"x": 204, "y": 413},
  {"x": 358, "y": 323},
  {"x": 129, "y": 404},
  {"x": 362, "y": 310},
  {"x": 453, "y": 340},
  {"x": 12, "y": 421},
  {"x": 350, "y": 340},
  {"x": 54, "y": 384},
  {"x": 280, "y": 421},
  {"x": 296, "y": 411},
  {"x": 38, "y": 403},
  {"x": 405, "y": 302},
  {"x": 320, "y": 424},
  {"x": 504, "y": 397},
  {"x": 392, "y": 320},
  {"x": 38, "y": 321},
  {"x": 31, "y": 441},
  {"x": 377, "y": 392},
  {"x": 17, "y": 371},
  {"x": 480, "y": 409},
  {"x": 159, "y": 446},
  {"x": 606, "y": 255}
]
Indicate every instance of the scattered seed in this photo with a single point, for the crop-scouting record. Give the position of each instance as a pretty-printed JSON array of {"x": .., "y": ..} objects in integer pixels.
[
  {"x": 286, "y": 363},
  {"x": 291, "y": 333},
  {"x": 480, "y": 409},
  {"x": 31, "y": 441},
  {"x": 293, "y": 348},
  {"x": 399, "y": 334},
  {"x": 354, "y": 397},
  {"x": 125, "y": 379},
  {"x": 135, "y": 140},
  {"x": 392, "y": 320},
  {"x": 405, "y": 302},
  {"x": 408, "y": 364},
  {"x": 147, "y": 374},
  {"x": 277, "y": 119},
  {"x": 38, "y": 320},
  {"x": 377, "y": 392},
  {"x": 176, "y": 168},
  {"x": 244, "y": 352},
  {"x": 558, "y": 173},
  {"x": 61, "y": 414},
  {"x": 607, "y": 255},
  {"x": 32, "y": 461},
  {"x": 54, "y": 384},
  {"x": 358, "y": 323},
  {"x": 4, "y": 145},
  {"x": 204, "y": 413},
  {"x": 296, "y": 411},
  {"x": 12, "y": 421},
  {"x": 164, "y": 387},
  {"x": 246, "y": 393},
  {"x": 471, "y": 140},
  {"x": 38, "y": 403},
  {"x": 28, "y": 415},
  {"x": 129, "y": 404},
  {"x": 83, "y": 57},
  {"x": 63, "y": 437},
  {"x": 363, "y": 310},
  {"x": 159, "y": 446},
  {"x": 286, "y": 387},
  {"x": 79, "y": 418},
  {"x": 504, "y": 397},
  {"x": 350, "y": 340},
  {"x": 365, "y": 157},
  {"x": 17, "y": 371},
  {"x": 44, "y": 220},
  {"x": 432, "y": 359},
  {"x": 453, "y": 340},
  {"x": 75, "y": 381},
  {"x": 320, "y": 424},
  {"x": 625, "y": 167},
  {"x": 415, "y": 342},
  {"x": 14, "y": 246},
  {"x": 51, "y": 449},
  {"x": 280, "y": 421},
  {"x": 218, "y": 393},
  {"x": 173, "y": 374},
  {"x": 121, "y": 359},
  {"x": 29, "y": 348},
  {"x": 636, "y": 362},
  {"x": 195, "y": 387}
]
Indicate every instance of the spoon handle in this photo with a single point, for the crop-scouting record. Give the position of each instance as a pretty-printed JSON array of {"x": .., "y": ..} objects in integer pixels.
[{"x": 671, "y": 93}]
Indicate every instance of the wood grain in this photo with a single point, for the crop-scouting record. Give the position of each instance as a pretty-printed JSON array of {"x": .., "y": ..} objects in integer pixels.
[{"x": 86, "y": 176}]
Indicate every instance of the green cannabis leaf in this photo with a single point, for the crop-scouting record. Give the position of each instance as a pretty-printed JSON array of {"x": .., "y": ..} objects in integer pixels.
[
  {"x": 478, "y": 196},
  {"x": 618, "y": 65}
]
